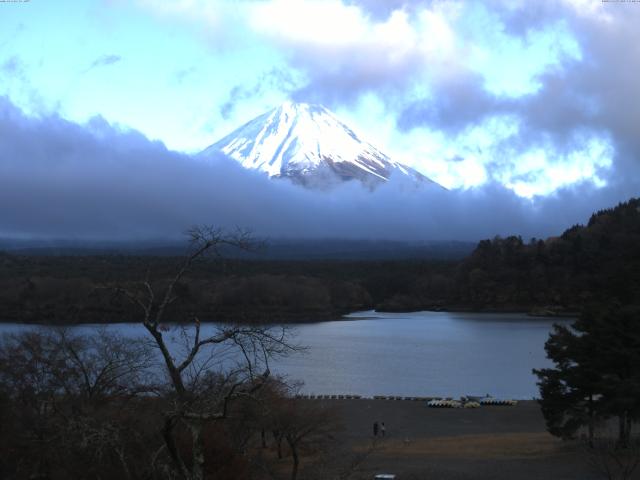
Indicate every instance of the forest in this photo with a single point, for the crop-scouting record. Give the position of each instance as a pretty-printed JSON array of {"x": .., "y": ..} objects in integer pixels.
[{"x": 591, "y": 263}]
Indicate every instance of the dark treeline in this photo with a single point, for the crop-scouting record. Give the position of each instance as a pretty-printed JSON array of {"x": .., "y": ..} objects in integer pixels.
[
  {"x": 270, "y": 249},
  {"x": 593, "y": 263},
  {"x": 69, "y": 289},
  {"x": 596, "y": 263}
]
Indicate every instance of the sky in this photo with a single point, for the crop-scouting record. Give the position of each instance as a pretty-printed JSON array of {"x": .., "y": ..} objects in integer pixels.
[{"x": 527, "y": 112}]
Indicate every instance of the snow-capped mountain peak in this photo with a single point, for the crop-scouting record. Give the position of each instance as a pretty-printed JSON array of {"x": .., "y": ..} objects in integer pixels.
[{"x": 309, "y": 145}]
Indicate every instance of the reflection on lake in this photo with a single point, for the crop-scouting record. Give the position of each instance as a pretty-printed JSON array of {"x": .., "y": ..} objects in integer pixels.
[{"x": 412, "y": 354}]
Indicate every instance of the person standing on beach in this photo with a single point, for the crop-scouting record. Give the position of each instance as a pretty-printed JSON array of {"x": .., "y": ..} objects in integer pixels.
[
  {"x": 383, "y": 429},
  {"x": 375, "y": 429}
]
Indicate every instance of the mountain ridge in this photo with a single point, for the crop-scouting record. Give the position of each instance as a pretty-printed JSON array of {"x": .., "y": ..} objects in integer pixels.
[{"x": 309, "y": 145}]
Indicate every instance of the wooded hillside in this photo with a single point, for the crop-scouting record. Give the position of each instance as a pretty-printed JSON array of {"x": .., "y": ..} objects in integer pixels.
[{"x": 597, "y": 262}]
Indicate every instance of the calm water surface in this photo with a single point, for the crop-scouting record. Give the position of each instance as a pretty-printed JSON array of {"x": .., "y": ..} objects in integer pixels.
[{"x": 413, "y": 354}]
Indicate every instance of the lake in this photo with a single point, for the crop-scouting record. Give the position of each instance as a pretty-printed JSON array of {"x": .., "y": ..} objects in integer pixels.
[{"x": 413, "y": 354}]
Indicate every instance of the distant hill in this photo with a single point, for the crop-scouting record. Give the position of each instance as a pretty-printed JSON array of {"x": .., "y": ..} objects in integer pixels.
[
  {"x": 270, "y": 249},
  {"x": 597, "y": 262},
  {"x": 294, "y": 281}
]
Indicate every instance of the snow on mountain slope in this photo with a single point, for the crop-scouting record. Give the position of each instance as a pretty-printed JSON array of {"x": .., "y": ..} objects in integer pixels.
[{"x": 309, "y": 145}]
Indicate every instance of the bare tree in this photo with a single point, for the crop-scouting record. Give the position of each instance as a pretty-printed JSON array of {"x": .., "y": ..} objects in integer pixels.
[
  {"x": 302, "y": 424},
  {"x": 59, "y": 383},
  {"x": 306, "y": 425},
  {"x": 214, "y": 368}
]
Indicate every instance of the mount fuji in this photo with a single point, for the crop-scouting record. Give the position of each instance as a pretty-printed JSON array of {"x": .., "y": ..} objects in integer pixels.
[{"x": 310, "y": 146}]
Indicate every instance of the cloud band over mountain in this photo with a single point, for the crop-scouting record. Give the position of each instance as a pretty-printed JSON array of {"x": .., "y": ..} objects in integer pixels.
[{"x": 59, "y": 179}]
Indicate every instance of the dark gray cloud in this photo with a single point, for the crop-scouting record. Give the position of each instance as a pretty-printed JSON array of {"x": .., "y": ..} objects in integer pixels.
[
  {"x": 459, "y": 103},
  {"x": 599, "y": 92},
  {"x": 63, "y": 180},
  {"x": 596, "y": 94}
]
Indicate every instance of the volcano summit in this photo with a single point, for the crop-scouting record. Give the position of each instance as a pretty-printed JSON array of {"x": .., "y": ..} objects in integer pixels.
[{"x": 310, "y": 146}]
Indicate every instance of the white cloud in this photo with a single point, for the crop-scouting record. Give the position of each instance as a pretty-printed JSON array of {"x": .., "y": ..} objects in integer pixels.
[
  {"x": 346, "y": 52},
  {"x": 200, "y": 10},
  {"x": 512, "y": 66},
  {"x": 496, "y": 150},
  {"x": 505, "y": 56},
  {"x": 310, "y": 22},
  {"x": 330, "y": 36},
  {"x": 596, "y": 10}
]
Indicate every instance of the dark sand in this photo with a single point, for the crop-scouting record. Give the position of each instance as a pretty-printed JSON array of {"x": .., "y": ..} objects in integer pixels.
[{"x": 499, "y": 442}]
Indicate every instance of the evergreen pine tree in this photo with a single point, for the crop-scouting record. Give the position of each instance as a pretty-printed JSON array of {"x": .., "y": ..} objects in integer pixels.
[{"x": 596, "y": 374}]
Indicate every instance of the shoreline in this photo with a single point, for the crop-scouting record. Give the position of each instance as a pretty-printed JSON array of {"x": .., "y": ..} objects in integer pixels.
[
  {"x": 529, "y": 310},
  {"x": 337, "y": 316},
  {"x": 497, "y": 443}
]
